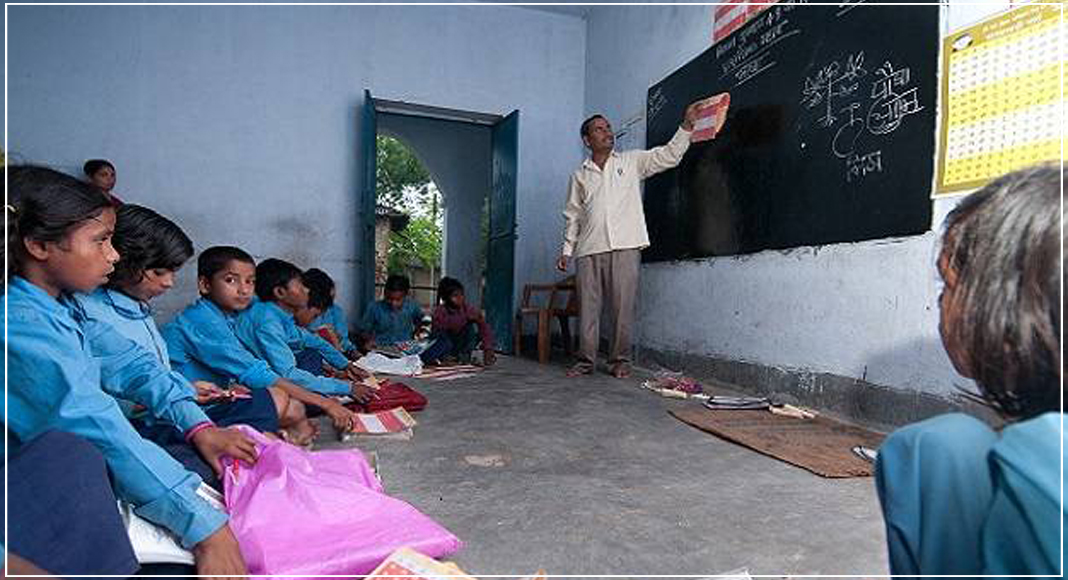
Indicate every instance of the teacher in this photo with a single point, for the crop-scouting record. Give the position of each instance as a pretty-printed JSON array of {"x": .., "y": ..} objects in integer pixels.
[{"x": 605, "y": 231}]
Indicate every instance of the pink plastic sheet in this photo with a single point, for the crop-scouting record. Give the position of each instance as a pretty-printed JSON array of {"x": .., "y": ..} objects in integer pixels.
[{"x": 298, "y": 512}]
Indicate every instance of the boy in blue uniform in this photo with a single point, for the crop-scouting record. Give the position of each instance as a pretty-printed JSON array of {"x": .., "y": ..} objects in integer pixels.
[
  {"x": 396, "y": 317},
  {"x": 269, "y": 330},
  {"x": 61, "y": 229},
  {"x": 203, "y": 344},
  {"x": 327, "y": 314}
]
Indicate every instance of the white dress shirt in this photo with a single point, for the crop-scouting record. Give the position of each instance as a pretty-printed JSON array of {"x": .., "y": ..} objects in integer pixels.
[{"x": 604, "y": 206}]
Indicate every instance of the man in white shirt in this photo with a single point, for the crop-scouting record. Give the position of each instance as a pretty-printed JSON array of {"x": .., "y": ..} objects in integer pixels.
[{"x": 605, "y": 232}]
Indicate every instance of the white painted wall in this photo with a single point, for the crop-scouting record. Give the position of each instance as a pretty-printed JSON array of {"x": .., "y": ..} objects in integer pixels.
[
  {"x": 865, "y": 310},
  {"x": 242, "y": 122}
]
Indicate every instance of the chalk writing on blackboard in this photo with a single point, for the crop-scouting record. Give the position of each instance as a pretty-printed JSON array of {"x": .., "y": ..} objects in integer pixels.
[
  {"x": 833, "y": 81},
  {"x": 845, "y": 7},
  {"x": 753, "y": 43},
  {"x": 657, "y": 100},
  {"x": 858, "y": 166},
  {"x": 845, "y": 139},
  {"x": 891, "y": 106}
]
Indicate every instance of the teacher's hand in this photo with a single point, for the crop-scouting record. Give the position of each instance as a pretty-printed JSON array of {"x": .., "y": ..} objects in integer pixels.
[
  {"x": 690, "y": 117},
  {"x": 561, "y": 263}
]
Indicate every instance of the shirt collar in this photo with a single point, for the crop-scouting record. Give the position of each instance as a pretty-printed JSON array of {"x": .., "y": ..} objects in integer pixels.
[
  {"x": 61, "y": 310},
  {"x": 589, "y": 164},
  {"x": 124, "y": 305}
]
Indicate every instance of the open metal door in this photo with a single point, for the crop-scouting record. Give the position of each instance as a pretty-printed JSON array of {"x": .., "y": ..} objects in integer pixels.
[
  {"x": 368, "y": 203},
  {"x": 499, "y": 300}
]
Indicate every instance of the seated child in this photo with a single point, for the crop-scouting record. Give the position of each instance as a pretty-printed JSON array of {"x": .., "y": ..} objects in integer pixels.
[
  {"x": 395, "y": 318},
  {"x": 62, "y": 373},
  {"x": 203, "y": 344},
  {"x": 152, "y": 249},
  {"x": 268, "y": 329},
  {"x": 330, "y": 321},
  {"x": 458, "y": 326},
  {"x": 958, "y": 497}
]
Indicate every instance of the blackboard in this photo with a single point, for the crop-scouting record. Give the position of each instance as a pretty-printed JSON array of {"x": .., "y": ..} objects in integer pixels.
[{"x": 830, "y": 136}]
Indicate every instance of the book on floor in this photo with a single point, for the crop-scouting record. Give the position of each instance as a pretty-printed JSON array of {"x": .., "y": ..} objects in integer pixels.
[{"x": 723, "y": 402}]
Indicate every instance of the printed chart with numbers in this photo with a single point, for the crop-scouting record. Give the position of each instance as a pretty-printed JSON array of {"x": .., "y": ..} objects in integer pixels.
[{"x": 1003, "y": 96}]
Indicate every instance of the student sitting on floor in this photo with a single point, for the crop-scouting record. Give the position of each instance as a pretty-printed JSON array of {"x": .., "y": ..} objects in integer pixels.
[
  {"x": 152, "y": 250},
  {"x": 203, "y": 344},
  {"x": 458, "y": 326},
  {"x": 268, "y": 330},
  {"x": 395, "y": 318},
  {"x": 330, "y": 321},
  {"x": 958, "y": 497},
  {"x": 59, "y": 232}
]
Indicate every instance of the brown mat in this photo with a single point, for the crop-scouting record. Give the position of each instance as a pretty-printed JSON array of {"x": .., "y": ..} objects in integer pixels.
[{"x": 822, "y": 446}]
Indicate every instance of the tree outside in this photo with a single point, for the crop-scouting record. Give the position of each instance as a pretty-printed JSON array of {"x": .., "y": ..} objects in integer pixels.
[{"x": 404, "y": 184}]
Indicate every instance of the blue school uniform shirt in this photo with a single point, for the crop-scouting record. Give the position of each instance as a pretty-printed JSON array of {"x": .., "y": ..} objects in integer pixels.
[
  {"x": 129, "y": 316},
  {"x": 272, "y": 334},
  {"x": 335, "y": 317},
  {"x": 1021, "y": 534},
  {"x": 203, "y": 346},
  {"x": 60, "y": 364},
  {"x": 392, "y": 326}
]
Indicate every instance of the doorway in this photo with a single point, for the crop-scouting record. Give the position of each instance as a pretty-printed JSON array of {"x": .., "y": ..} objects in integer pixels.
[{"x": 471, "y": 160}]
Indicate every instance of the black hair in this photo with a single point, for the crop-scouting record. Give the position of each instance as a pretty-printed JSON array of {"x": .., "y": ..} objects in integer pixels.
[
  {"x": 1003, "y": 243},
  {"x": 585, "y": 129},
  {"x": 398, "y": 283},
  {"x": 45, "y": 205},
  {"x": 93, "y": 165},
  {"x": 272, "y": 273},
  {"x": 447, "y": 287},
  {"x": 146, "y": 240},
  {"x": 320, "y": 288},
  {"x": 215, "y": 259}
]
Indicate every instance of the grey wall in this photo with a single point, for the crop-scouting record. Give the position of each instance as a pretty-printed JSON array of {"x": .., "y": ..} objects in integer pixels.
[
  {"x": 242, "y": 122},
  {"x": 457, "y": 155},
  {"x": 867, "y": 311}
]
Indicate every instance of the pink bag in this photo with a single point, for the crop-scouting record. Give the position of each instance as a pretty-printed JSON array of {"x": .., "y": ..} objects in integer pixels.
[{"x": 298, "y": 512}]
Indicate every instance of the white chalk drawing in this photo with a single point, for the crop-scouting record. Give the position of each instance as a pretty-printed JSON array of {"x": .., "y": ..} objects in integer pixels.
[
  {"x": 845, "y": 7},
  {"x": 832, "y": 82},
  {"x": 859, "y": 166},
  {"x": 890, "y": 106},
  {"x": 657, "y": 100},
  {"x": 845, "y": 139}
]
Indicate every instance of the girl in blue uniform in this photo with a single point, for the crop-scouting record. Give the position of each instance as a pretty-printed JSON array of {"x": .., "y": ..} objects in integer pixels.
[
  {"x": 153, "y": 249},
  {"x": 958, "y": 497},
  {"x": 59, "y": 242}
]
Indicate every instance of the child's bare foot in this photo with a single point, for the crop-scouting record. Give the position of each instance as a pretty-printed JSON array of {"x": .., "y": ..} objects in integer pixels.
[{"x": 302, "y": 434}]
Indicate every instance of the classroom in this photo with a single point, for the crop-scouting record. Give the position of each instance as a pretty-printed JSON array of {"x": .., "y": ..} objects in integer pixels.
[{"x": 730, "y": 289}]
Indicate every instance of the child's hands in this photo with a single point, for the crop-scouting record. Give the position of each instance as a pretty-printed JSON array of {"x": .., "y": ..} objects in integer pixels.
[
  {"x": 213, "y": 443},
  {"x": 489, "y": 357},
  {"x": 354, "y": 373},
  {"x": 208, "y": 392},
  {"x": 342, "y": 418},
  {"x": 219, "y": 555},
  {"x": 363, "y": 393}
]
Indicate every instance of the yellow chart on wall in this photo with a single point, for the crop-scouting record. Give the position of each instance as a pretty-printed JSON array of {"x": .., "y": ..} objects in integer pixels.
[{"x": 1002, "y": 96}]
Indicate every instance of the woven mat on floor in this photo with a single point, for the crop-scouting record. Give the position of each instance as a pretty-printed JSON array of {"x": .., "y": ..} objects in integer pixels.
[{"x": 822, "y": 446}]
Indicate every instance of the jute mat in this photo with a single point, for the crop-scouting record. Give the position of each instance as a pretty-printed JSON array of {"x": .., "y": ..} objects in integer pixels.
[{"x": 822, "y": 446}]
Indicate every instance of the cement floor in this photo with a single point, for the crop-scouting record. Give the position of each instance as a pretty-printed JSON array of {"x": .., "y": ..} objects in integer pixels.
[{"x": 591, "y": 476}]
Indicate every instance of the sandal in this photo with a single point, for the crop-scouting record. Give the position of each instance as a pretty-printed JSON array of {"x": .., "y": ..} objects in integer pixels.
[{"x": 580, "y": 369}]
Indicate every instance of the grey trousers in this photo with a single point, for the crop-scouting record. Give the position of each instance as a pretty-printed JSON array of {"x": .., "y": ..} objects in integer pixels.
[{"x": 608, "y": 278}]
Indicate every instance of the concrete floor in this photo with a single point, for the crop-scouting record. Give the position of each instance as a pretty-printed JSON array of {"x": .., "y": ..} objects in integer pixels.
[{"x": 591, "y": 476}]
